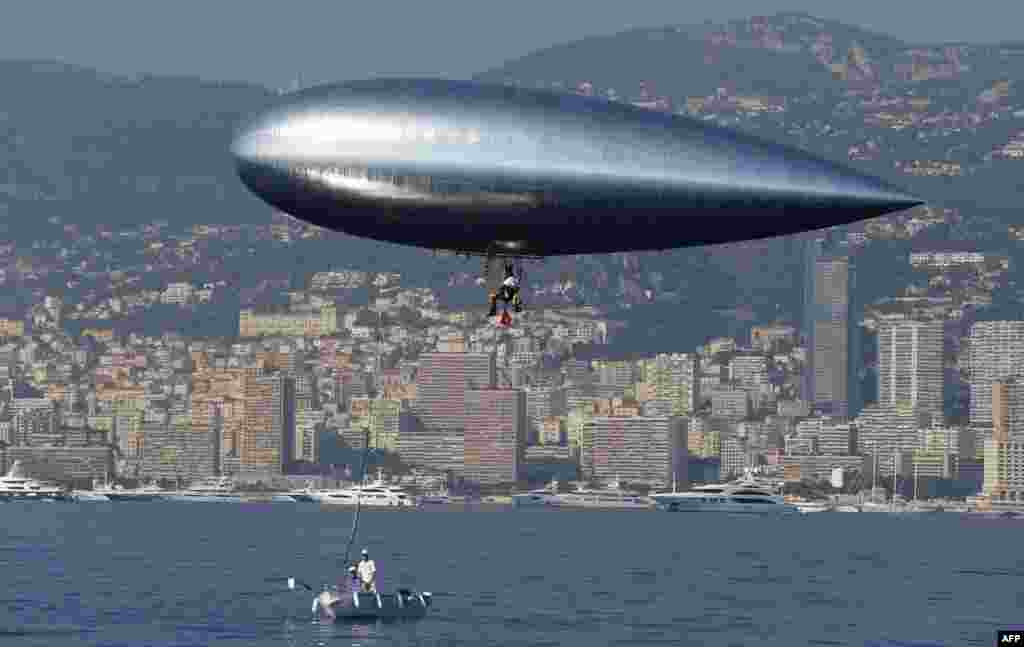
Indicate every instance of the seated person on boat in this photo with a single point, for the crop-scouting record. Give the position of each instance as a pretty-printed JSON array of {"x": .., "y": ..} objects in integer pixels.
[{"x": 368, "y": 573}]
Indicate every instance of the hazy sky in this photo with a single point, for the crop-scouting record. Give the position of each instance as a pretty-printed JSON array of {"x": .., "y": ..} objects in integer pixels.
[{"x": 325, "y": 40}]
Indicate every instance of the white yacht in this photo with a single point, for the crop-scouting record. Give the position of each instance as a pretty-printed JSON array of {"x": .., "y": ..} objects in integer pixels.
[
  {"x": 540, "y": 497},
  {"x": 744, "y": 497},
  {"x": 611, "y": 496},
  {"x": 115, "y": 492},
  {"x": 378, "y": 494},
  {"x": 151, "y": 492},
  {"x": 219, "y": 489},
  {"x": 16, "y": 485}
]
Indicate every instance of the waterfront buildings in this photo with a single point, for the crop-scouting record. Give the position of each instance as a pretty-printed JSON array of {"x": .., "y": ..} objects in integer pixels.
[
  {"x": 176, "y": 451},
  {"x": 60, "y": 463},
  {"x": 495, "y": 436},
  {"x": 266, "y": 440},
  {"x": 996, "y": 352},
  {"x": 1004, "y": 470},
  {"x": 910, "y": 364},
  {"x": 1008, "y": 409},
  {"x": 441, "y": 384},
  {"x": 298, "y": 324},
  {"x": 889, "y": 429},
  {"x": 820, "y": 468},
  {"x": 542, "y": 403},
  {"x": 381, "y": 417},
  {"x": 830, "y": 381},
  {"x": 635, "y": 449}
]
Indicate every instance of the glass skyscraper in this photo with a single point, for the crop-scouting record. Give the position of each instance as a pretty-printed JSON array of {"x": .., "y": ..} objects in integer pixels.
[{"x": 831, "y": 380}]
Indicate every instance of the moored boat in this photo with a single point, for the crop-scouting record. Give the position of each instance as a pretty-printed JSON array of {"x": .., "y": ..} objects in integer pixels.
[
  {"x": 376, "y": 494},
  {"x": 17, "y": 485},
  {"x": 212, "y": 490},
  {"x": 611, "y": 496},
  {"x": 332, "y": 605},
  {"x": 741, "y": 497}
]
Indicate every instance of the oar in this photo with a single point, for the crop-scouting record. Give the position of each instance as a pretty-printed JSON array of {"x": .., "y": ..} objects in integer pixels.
[{"x": 292, "y": 582}]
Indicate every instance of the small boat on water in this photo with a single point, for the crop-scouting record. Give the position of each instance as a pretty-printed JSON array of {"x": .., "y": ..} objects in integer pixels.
[
  {"x": 17, "y": 485},
  {"x": 332, "y": 605}
]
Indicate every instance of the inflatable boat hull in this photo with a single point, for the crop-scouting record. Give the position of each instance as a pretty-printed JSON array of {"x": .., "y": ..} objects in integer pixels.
[{"x": 330, "y": 605}]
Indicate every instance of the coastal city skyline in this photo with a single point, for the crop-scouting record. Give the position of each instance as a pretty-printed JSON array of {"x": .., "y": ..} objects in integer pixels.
[
  {"x": 308, "y": 336},
  {"x": 904, "y": 380},
  {"x": 263, "y": 405}
]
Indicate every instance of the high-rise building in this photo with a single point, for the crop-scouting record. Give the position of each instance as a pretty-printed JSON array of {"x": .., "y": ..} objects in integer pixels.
[
  {"x": 673, "y": 378},
  {"x": 831, "y": 378},
  {"x": 888, "y": 430},
  {"x": 438, "y": 450},
  {"x": 578, "y": 371},
  {"x": 940, "y": 451},
  {"x": 824, "y": 436},
  {"x": 749, "y": 371},
  {"x": 1004, "y": 470},
  {"x": 838, "y": 439},
  {"x": 635, "y": 449},
  {"x": 495, "y": 436},
  {"x": 35, "y": 426},
  {"x": 620, "y": 374},
  {"x": 351, "y": 384},
  {"x": 174, "y": 452},
  {"x": 541, "y": 403},
  {"x": 730, "y": 404},
  {"x": 734, "y": 457},
  {"x": 910, "y": 364},
  {"x": 1008, "y": 410},
  {"x": 996, "y": 352},
  {"x": 300, "y": 324},
  {"x": 267, "y": 441},
  {"x": 381, "y": 417},
  {"x": 307, "y": 430},
  {"x": 441, "y": 384}
]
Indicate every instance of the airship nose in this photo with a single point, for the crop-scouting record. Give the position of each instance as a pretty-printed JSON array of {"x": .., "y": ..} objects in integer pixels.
[
  {"x": 261, "y": 164},
  {"x": 837, "y": 192},
  {"x": 873, "y": 194}
]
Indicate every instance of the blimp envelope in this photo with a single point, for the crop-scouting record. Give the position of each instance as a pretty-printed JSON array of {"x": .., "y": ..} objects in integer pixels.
[{"x": 478, "y": 168}]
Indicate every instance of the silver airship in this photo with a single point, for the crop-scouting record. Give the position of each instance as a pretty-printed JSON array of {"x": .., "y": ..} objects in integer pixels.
[{"x": 504, "y": 171}]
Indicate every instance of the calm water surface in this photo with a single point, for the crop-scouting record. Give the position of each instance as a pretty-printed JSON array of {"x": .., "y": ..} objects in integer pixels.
[{"x": 166, "y": 574}]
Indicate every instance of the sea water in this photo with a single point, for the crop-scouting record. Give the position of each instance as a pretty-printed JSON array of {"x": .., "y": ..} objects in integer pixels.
[{"x": 194, "y": 574}]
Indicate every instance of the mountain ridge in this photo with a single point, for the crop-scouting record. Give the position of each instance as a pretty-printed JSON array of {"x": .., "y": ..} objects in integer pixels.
[{"x": 91, "y": 148}]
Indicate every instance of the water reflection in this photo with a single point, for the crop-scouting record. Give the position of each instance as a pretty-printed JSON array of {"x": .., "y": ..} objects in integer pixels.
[{"x": 357, "y": 633}]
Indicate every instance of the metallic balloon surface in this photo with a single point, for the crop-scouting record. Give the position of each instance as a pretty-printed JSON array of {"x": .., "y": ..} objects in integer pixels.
[{"x": 479, "y": 168}]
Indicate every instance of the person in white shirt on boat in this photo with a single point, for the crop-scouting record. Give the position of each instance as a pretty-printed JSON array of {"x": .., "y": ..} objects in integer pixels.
[
  {"x": 368, "y": 573},
  {"x": 352, "y": 584}
]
